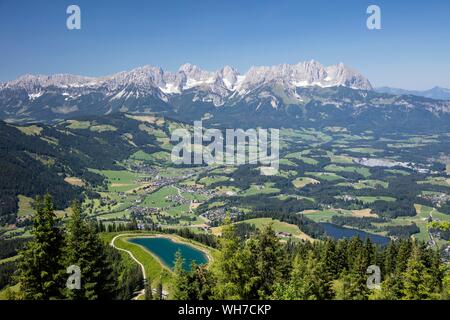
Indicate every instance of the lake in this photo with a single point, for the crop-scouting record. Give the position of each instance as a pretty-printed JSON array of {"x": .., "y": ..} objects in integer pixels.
[
  {"x": 338, "y": 232},
  {"x": 165, "y": 249}
]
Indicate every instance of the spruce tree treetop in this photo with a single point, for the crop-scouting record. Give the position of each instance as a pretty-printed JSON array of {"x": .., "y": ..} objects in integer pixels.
[{"x": 40, "y": 272}]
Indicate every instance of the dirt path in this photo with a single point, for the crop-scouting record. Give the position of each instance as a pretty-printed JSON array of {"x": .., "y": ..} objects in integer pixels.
[{"x": 142, "y": 292}]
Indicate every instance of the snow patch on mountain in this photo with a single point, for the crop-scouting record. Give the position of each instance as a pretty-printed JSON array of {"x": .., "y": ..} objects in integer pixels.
[
  {"x": 189, "y": 76},
  {"x": 208, "y": 86}
]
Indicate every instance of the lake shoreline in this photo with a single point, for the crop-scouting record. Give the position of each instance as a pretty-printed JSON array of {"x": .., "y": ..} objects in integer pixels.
[{"x": 175, "y": 239}]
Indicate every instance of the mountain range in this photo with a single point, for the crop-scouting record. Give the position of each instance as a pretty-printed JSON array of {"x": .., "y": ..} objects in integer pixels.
[
  {"x": 303, "y": 94},
  {"x": 433, "y": 93}
]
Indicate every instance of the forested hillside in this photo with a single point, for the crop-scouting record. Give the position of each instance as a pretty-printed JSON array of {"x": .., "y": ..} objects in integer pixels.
[{"x": 36, "y": 159}]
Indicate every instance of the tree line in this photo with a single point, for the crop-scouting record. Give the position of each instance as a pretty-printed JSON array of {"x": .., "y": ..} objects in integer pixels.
[
  {"x": 42, "y": 267},
  {"x": 262, "y": 267}
]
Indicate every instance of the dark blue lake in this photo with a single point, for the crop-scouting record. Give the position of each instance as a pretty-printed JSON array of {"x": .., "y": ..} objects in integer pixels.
[
  {"x": 165, "y": 249},
  {"x": 338, "y": 232}
]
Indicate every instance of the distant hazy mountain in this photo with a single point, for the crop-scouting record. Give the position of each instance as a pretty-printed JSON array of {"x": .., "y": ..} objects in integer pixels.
[
  {"x": 304, "y": 94},
  {"x": 434, "y": 93}
]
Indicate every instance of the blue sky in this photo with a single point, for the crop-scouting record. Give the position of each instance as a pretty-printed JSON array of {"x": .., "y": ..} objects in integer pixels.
[{"x": 411, "y": 51}]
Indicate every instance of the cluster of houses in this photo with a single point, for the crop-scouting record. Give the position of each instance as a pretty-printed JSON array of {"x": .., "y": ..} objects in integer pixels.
[
  {"x": 437, "y": 199},
  {"x": 177, "y": 199},
  {"x": 197, "y": 188},
  {"x": 142, "y": 211},
  {"x": 143, "y": 168},
  {"x": 217, "y": 215},
  {"x": 106, "y": 201},
  {"x": 159, "y": 181}
]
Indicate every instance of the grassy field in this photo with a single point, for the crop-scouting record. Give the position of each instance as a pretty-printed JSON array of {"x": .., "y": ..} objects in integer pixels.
[
  {"x": 160, "y": 157},
  {"x": 365, "y": 184},
  {"x": 341, "y": 159},
  {"x": 32, "y": 130},
  {"x": 369, "y": 200},
  {"x": 209, "y": 180},
  {"x": 397, "y": 172},
  {"x": 103, "y": 128},
  {"x": 307, "y": 160},
  {"x": 75, "y": 124},
  {"x": 327, "y": 176},
  {"x": 321, "y": 215},
  {"x": 278, "y": 226},
  {"x": 120, "y": 180},
  {"x": 267, "y": 188},
  {"x": 302, "y": 182},
  {"x": 437, "y": 181},
  {"x": 365, "y": 172},
  {"x": 158, "y": 198},
  {"x": 287, "y": 162},
  {"x": 25, "y": 206},
  {"x": 365, "y": 150},
  {"x": 74, "y": 181},
  {"x": 326, "y": 215},
  {"x": 288, "y": 196}
]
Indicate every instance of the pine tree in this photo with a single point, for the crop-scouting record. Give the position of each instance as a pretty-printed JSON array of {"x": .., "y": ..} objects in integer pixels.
[
  {"x": 297, "y": 288},
  {"x": 446, "y": 285},
  {"x": 201, "y": 282},
  {"x": 85, "y": 250},
  {"x": 321, "y": 279},
  {"x": 148, "y": 290},
  {"x": 403, "y": 254},
  {"x": 340, "y": 257},
  {"x": 350, "y": 287},
  {"x": 432, "y": 261},
  {"x": 40, "y": 273},
  {"x": 230, "y": 267},
  {"x": 390, "y": 253},
  {"x": 180, "y": 279},
  {"x": 391, "y": 288},
  {"x": 343, "y": 287},
  {"x": 355, "y": 245},
  {"x": 159, "y": 290},
  {"x": 308, "y": 281},
  {"x": 329, "y": 259},
  {"x": 417, "y": 280},
  {"x": 268, "y": 259},
  {"x": 369, "y": 252}
]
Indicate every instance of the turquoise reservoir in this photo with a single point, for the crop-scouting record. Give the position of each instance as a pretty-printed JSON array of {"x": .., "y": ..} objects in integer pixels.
[{"x": 165, "y": 249}]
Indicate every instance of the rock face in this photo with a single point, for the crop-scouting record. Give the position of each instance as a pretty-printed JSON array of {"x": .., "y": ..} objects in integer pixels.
[
  {"x": 303, "y": 94},
  {"x": 135, "y": 89},
  {"x": 305, "y": 74},
  {"x": 189, "y": 76}
]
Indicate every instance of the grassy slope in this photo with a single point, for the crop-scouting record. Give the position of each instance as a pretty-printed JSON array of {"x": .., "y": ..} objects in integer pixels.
[{"x": 154, "y": 268}]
